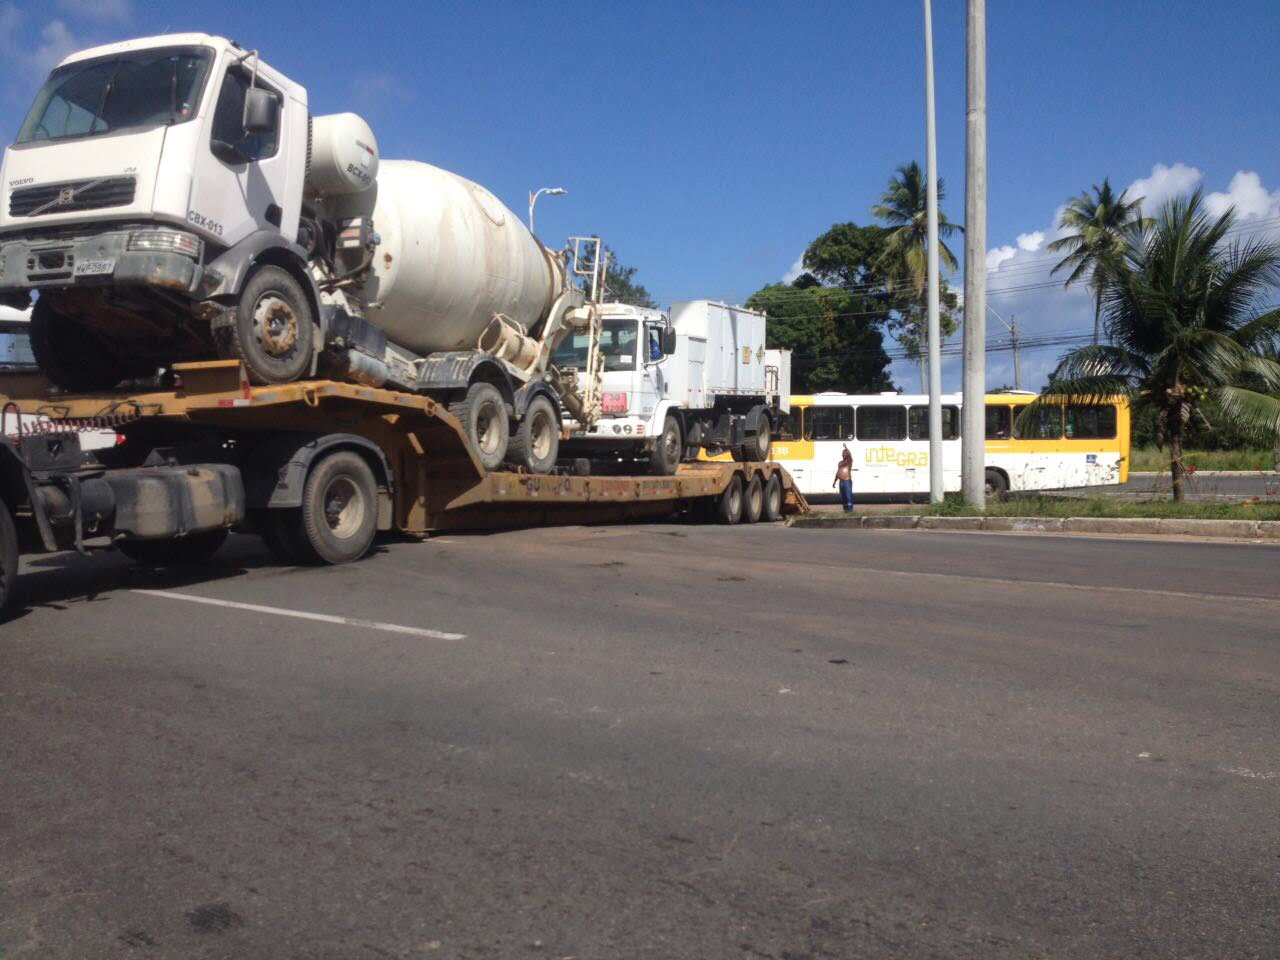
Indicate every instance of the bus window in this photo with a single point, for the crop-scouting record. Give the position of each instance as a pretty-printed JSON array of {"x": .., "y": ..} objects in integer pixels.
[
  {"x": 790, "y": 425},
  {"x": 1091, "y": 421},
  {"x": 1042, "y": 423},
  {"x": 829, "y": 423},
  {"x": 918, "y": 423},
  {"x": 882, "y": 423},
  {"x": 999, "y": 422}
]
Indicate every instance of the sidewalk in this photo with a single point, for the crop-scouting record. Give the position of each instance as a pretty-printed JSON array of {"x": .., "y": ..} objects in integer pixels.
[{"x": 1267, "y": 531}]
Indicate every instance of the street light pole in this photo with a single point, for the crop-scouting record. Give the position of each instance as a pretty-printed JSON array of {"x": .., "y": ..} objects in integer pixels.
[
  {"x": 936, "y": 482},
  {"x": 1012, "y": 326},
  {"x": 533, "y": 198},
  {"x": 973, "y": 433}
]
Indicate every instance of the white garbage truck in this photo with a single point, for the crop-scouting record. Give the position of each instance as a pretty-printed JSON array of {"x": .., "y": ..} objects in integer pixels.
[
  {"x": 671, "y": 384},
  {"x": 172, "y": 199}
]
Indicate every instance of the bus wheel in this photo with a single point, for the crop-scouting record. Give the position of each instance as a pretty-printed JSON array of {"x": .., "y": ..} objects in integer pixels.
[
  {"x": 189, "y": 551},
  {"x": 483, "y": 414},
  {"x": 8, "y": 563},
  {"x": 536, "y": 444},
  {"x": 339, "y": 514},
  {"x": 274, "y": 330},
  {"x": 997, "y": 487},
  {"x": 753, "y": 500},
  {"x": 729, "y": 509},
  {"x": 667, "y": 449},
  {"x": 772, "y": 508}
]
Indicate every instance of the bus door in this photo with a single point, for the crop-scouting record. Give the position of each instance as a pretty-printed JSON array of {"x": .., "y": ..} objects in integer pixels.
[
  {"x": 916, "y": 449},
  {"x": 829, "y": 428},
  {"x": 881, "y": 450}
]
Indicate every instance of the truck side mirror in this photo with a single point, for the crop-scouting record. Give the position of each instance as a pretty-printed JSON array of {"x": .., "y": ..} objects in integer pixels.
[
  {"x": 668, "y": 341},
  {"x": 259, "y": 111}
]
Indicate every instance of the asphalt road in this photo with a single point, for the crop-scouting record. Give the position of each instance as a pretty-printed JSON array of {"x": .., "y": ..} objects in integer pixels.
[{"x": 650, "y": 742}]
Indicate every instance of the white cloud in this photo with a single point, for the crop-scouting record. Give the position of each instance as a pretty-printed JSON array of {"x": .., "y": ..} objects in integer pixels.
[
  {"x": 998, "y": 255},
  {"x": 106, "y": 11},
  {"x": 1031, "y": 242},
  {"x": 1247, "y": 194},
  {"x": 1164, "y": 184},
  {"x": 56, "y": 42},
  {"x": 794, "y": 270}
]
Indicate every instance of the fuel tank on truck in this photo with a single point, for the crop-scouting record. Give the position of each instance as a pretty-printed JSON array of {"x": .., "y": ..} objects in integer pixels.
[{"x": 450, "y": 257}]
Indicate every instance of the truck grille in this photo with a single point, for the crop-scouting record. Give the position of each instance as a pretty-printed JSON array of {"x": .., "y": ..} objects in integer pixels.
[{"x": 73, "y": 195}]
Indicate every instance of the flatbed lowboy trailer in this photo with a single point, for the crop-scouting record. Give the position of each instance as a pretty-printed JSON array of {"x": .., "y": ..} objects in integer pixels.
[{"x": 315, "y": 467}]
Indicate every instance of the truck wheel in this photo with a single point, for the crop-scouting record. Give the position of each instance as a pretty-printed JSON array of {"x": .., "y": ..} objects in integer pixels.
[
  {"x": 729, "y": 509},
  {"x": 8, "y": 563},
  {"x": 536, "y": 444},
  {"x": 756, "y": 446},
  {"x": 667, "y": 449},
  {"x": 753, "y": 500},
  {"x": 772, "y": 509},
  {"x": 274, "y": 330},
  {"x": 339, "y": 514},
  {"x": 483, "y": 415},
  {"x": 997, "y": 487},
  {"x": 68, "y": 355},
  {"x": 189, "y": 551},
  {"x": 279, "y": 530}
]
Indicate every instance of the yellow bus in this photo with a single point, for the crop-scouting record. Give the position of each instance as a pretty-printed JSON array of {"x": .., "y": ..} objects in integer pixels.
[{"x": 1068, "y": 443}]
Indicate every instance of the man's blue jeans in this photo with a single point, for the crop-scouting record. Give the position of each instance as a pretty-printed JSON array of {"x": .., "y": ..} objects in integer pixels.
[{"x": 846, "y": 495}]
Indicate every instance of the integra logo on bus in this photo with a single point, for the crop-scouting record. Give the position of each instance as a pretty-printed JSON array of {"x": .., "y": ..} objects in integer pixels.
[{"x": 897, "y": 458}]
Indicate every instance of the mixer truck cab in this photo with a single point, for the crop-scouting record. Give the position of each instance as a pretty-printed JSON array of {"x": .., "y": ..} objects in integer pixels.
[
  {"x": 171, "y": 199},
  {"x": 671, "y": 385}
]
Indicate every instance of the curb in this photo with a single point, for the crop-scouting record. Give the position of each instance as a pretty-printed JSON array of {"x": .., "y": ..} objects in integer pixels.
[
  {"x": 1164, "y": 474},
  {"x": 1132, "y": 526}
]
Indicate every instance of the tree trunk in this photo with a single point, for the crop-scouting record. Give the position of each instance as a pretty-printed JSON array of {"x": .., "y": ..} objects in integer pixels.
[
  {"x": 1097, "y": 317},
  {"x": 1176, "y": 467}
]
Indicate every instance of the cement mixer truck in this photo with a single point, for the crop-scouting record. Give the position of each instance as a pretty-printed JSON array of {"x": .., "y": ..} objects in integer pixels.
[{"x": 172, "y": 199}]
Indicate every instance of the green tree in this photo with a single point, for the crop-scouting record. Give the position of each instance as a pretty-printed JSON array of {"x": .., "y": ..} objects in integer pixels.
[
  {"x": 1192, "y": 334},
  {"x": 834, "y": 336},
  {"x": 620, "y": 283},
  {"x": 904, "y": 262},
  {"x": 1099, "y": 220}
]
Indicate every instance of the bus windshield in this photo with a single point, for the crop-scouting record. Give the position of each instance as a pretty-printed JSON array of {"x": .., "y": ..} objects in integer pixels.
[
  {"x": 619, "y": 341},
  {"x": 144, "y": 88}
]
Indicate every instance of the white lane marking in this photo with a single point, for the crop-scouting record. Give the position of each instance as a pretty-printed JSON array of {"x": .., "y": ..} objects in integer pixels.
[{"x": 306, "y": 615}]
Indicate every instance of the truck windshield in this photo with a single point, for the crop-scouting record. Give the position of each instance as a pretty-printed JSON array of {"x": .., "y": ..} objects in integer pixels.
[
  {"x": 144, "y": 88},
  {"x": 618, "y": 343}
]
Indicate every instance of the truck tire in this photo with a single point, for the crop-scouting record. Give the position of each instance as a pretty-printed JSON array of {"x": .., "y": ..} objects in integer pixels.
[
  {"x": 338, "y": 518},
  {"x": 536, "y": 444},
  {"x": 274, "y": 330},
  {"x": 189, "y": 551},
  {"x": 276, "y": 528},
  {"x": 755, "y": 448},
  {"x": 753, "y": 500},
  {"x": 729, "y": 508},
  {"x": 667, "y": 448},
  {"x": 8, "y": 563},
  {"x": 70, "y": 356},
  {"x": 483, "y": 415},
  {"x": 997, "y": 487},
  {"x": 772, "y": 509}
]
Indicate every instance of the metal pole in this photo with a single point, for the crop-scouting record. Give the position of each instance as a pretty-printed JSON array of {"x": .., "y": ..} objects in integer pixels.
[
  {"x": 1017, "y": 356},
  {"x": 936, "y": 482},
  {"x": 973, "y": 434}
]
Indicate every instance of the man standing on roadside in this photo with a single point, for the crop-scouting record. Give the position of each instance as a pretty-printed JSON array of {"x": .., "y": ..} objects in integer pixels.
[{"x": 844, "y": 477}]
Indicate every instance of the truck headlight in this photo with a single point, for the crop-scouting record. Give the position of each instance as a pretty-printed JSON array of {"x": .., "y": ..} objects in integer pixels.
[{"x": 167, "y": 241}]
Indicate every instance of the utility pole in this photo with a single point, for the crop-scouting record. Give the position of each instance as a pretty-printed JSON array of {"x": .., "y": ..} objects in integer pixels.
[
  {"x": 974, "y": 431},
  {"x": 1012, "y": 326},
  {"x": 936, "y": 483}
]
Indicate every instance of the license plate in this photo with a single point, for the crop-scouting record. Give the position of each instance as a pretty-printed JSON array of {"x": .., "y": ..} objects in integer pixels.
[{"x": 94, "y": 268}]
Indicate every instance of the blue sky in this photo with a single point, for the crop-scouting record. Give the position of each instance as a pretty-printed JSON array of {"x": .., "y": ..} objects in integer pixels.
[{"x": 709, "y": 143}]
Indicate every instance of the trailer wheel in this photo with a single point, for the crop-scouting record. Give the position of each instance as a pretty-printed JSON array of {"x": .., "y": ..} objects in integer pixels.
[
  {"x": 772, "y": 511},
  {"x": 753, "y": 500},
  {"x": 667, "y": 449},
  {"x": 189, "y": 551},
  {"x": 274, "y": 330},
  {"x": 339, "y": 515},
  {"x": 536, "y": 444},
  {"x": 68, "y": 355},
  {"x": 729, "y": 509},
  {"x": 8, "y": 563},
  {"x": 483, "y": 415}
]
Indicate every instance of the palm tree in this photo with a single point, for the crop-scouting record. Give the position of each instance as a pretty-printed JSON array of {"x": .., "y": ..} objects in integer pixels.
[
  {"x": 904, "y": 207},
  {"x": 1098, "y": 221},
  {"x": 1193, "y": 326}
]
